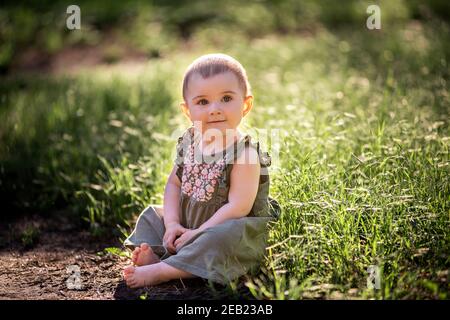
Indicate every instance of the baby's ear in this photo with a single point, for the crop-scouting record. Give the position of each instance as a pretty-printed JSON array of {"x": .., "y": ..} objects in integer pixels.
[
  {"x": 185, "y": 109},
  {"x": 248, "y": 105}
]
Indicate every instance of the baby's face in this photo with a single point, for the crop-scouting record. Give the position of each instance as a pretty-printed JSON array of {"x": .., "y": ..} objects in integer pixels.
[{"x": 217, "y": 102}]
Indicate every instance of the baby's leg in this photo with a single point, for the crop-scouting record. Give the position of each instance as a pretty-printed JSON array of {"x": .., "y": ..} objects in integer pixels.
[
  {"x": 144, "y": 255},
  {"x": 159, "y": 209},
  {"x": 153, "y": 274}
]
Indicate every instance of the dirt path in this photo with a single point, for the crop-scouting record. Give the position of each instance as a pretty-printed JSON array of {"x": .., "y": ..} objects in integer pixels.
[{"x": 48, "y": 269}]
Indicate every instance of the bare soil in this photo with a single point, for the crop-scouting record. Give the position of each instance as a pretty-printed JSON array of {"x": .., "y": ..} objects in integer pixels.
[{"x": 39, "y": 258}]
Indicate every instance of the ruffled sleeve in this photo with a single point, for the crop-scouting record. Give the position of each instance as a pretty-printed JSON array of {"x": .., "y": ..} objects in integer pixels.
[
  {"x": 265, "y": 161},
  {"x": 183, "y": 144}
]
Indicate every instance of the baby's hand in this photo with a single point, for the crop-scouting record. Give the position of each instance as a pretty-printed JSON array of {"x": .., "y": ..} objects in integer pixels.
[
  {"x": 185, "y": 237},
  {"x": 173, "y": 230}
]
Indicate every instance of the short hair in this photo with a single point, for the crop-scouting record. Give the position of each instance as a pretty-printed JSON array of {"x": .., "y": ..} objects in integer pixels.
[{"x": 216, "y": 63}]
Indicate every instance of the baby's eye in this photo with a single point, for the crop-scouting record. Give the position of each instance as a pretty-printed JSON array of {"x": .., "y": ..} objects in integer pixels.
[
  {"x": 227, "y": 98},
  {"x": 202, "y": 102}
]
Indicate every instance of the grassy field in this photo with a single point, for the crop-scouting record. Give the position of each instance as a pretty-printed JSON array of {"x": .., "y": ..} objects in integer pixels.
[{"x": 361, "y": 169}]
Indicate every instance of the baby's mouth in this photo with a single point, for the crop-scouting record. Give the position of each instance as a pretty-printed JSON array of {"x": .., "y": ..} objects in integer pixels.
[{"x": 216, "y": 121}]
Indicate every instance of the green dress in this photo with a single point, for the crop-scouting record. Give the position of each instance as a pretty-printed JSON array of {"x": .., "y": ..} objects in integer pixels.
[{"x": 223, "y": 252}]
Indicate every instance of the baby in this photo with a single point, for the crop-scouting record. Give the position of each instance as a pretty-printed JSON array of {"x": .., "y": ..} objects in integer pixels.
[{"x": 213, "y": 223}]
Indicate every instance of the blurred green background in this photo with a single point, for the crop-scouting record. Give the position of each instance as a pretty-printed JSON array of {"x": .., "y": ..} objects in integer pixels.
[
  {"x": 89, "y": 120},
  {"x": 157, "y": 28}
]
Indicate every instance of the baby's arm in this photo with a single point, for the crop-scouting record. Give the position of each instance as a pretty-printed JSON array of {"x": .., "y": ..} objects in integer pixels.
[
  {"x": 172, "y": 210},
  {"x": 244, "y": 182},
  {"x": 172, "y": 194}
]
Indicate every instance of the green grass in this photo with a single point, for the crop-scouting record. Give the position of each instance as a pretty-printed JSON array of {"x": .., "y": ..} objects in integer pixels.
[{"x": 361, "y": 172}]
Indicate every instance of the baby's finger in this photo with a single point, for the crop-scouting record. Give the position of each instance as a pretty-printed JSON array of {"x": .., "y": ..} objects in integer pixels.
[
  {"x": 172, "y": 243},
  {"x": 178, "y": 241},
  {"x": 168, "y": 243},
  {"x": 167, "y": 236},
  {"x": 172, "y": 250}
]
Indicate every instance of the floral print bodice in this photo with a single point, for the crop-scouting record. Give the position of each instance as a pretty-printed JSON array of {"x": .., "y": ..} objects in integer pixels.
[{"x": 200, "y": 179}]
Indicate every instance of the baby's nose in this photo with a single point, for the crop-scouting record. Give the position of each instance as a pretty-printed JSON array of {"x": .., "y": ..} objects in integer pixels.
[{"x": 214, "y": 109}]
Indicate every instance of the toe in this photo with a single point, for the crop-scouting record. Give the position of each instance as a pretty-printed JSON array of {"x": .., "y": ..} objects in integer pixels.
[
  {"x": 136, "y": 253},
  {"x": 144, "y": 246},
  {"x": 128, "y": 271},
  {"x": 131, "y": 283}
]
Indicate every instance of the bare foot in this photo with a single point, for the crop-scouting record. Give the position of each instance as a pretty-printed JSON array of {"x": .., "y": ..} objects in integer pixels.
[
  {"x": 144, "y": 255},
  {"x": 138, "y": 277}
]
